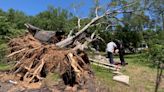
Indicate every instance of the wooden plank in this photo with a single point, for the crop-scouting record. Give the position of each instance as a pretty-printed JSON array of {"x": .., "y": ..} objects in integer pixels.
[
  {"x": 105, "y": 64},
  {"x": 107, "y": 67}
]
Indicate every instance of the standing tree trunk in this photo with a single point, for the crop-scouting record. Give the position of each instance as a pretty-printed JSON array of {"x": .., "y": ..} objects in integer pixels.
[
  {"x": 159, "y": 75},
  {"x": 162, "y": 21}
]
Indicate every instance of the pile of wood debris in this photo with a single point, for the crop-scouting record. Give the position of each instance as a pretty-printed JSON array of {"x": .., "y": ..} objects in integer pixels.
[
  {"x": 40, "y": 52},
  {"x": 35, "y": 60}
]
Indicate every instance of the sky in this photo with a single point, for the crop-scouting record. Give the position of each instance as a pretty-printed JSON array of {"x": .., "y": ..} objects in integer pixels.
[{"x": 33, "y": 7}]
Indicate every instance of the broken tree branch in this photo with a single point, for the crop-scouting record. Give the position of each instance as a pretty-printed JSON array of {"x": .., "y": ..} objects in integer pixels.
[
  {"x": 96, "y": 11},
  {"x": 78, "y": 22},
  {"x": 16, "y": 52},
  {"x": 29, "y": 26},
  {"x": 70, "y": 40},
  {"x": 70, "y": 34}
]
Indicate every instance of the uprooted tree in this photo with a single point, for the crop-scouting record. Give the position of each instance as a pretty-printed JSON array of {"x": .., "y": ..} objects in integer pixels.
[{"x": 40, "y": 52}]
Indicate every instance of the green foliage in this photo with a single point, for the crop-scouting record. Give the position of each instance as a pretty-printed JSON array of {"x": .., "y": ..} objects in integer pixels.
[
  {"x": 155, "y": 43},
  {"x": 53, "y": 19},
  {"x": 156, "y": 8},
  {"x": 8, "y": 29},
  {"x": 4, "y": 26},
  {"x": 107, "y": 37},
  {"x": 128, "y": 37},
  {"x": 153, "y": 37},
  {"x": 17, "y": 18},
  {"x": 157, "y": 54}
]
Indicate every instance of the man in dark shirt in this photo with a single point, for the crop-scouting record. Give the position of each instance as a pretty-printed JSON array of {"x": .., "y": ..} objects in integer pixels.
[{"x": 120, "y": 47}]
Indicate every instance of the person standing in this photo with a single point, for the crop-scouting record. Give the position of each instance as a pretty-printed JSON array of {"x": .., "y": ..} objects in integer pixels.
[
  {"x": 111, "y": 47},
  {"x": 121, "y": 51}
]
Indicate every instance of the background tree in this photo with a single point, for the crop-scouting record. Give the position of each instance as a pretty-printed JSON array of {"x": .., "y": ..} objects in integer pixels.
[{"x": 156, "y": 10}]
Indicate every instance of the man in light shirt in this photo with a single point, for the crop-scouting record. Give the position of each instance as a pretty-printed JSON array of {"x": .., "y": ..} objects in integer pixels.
[{"x": 111, "y": 47}]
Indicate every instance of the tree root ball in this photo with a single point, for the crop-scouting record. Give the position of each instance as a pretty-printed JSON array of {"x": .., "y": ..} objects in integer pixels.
[{"x": 36, "y": 59}]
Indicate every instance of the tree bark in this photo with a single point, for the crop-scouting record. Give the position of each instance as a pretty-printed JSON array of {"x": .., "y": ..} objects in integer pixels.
[
  {"x": 69, "y": 40},
  {"x": 163, "y": 22},
  {"x": 158, "y": 79}
]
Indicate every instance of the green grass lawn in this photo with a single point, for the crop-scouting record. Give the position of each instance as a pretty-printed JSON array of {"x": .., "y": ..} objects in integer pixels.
[{"x": 142, "y": 76}]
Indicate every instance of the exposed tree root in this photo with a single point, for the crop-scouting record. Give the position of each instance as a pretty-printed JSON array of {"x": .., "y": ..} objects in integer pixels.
[{"x": 35, "y": 60}]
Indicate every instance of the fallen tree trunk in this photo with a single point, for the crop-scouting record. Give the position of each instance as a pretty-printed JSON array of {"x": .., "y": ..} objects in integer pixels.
[
  {"x": 35, "y": 59},
  {"x": 70, "y": 39}
]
